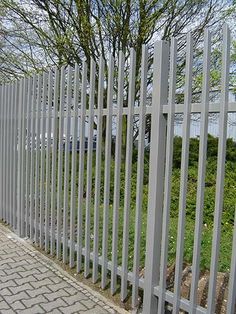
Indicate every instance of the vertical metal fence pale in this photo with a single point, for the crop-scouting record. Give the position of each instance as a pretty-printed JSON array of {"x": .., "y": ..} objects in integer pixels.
[{"x": 67, "y": 168}]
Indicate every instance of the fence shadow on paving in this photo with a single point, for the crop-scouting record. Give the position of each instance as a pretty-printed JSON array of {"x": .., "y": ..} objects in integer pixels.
[{"x": 76, "y": 183}]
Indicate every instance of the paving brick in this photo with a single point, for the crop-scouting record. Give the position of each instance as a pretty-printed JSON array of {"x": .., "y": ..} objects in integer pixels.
[
  {"x": 40, "y": 283},
  {"x": 7, "y": 248},
  {"x": 17, "y": 306},
  {"x": 74, "y": 298},
  {"x": 4, "y": 305},
  {"x": 4, "y": 267},
  {"x": 13, "y": 276},
  {"x": 26, "y": 273},
  {"x": 24, "y": 287},
  {"x": 10, "y": 311},
  {"x": 5, "y": 291},
  {"x": 2, "y": 273},
  {"x": 35, "y": 292},
  {"x": 33, "y": 301},
  {"x": 36, "y": 309},
  {"x": 57, "y": 294},
  {"x": 48, "y": 274},
  {"x": 30, "y": 278},
  {"x": 19, "y": 263},
  {"x": 49, "y": 306},
  {"x": 71, "y": 290},
  {"x": 10, "y": 255},
  {"x": 55, "y": 279},
  {"x": 19, "y": 253},
  {"x": 9, "y": 283},
  {"x": 42, "y": 269},
  {"x": 35, "y": 265},
  {"x": 19, "y": 296},
  {"x": 89, "y": 304},
  {"x": 96, "y": 310},
  {"x": 58, "y": 286},
  {"x": 14, "y": 270},
  {"x": 75, "y": 308},
  {"x": 29, "y": 260},
  {"x": 6, "y": 261}
]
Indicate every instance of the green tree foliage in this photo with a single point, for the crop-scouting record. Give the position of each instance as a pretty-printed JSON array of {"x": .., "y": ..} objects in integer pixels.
[{"x": 63, "y": 32}]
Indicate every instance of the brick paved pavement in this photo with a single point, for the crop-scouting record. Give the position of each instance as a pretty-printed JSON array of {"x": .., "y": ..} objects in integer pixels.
[{"x": 31, "y": 283}]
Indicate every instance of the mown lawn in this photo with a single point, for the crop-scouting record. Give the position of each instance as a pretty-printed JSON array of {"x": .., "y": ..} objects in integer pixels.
[{"x": 208, "y": 213}]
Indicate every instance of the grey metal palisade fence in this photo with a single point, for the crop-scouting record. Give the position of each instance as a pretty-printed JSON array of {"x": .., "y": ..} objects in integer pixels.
[{"x": 46, "y": 194}]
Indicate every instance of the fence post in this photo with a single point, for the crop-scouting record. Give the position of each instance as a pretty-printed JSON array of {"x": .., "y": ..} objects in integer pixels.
[
  {"x": 19, "y": 159},
  {"x": 1, "y": 150},
  {"x": 156, "y": 175}
]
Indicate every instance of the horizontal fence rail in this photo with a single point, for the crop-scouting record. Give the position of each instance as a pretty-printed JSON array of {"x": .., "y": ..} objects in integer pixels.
[{"x": 73, "y": 180}]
